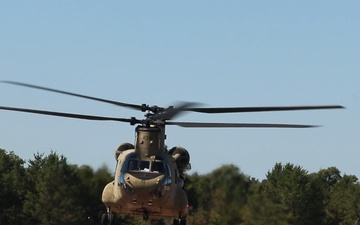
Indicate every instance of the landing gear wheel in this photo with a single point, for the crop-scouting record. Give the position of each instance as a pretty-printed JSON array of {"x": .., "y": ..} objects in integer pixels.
[
  {"x": 111, "y": 217},
  {"x": 179, "y": 222},
  {"x": 104, "y": 219},
  {"x": 146, "y": 216},
  {"x": 107, "y": 219}
]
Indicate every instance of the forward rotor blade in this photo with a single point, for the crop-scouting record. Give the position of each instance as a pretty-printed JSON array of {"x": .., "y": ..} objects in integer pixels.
[
  {"x": 261, "y": 109},
  {"x": 171, "y": 113},
  {"x": 237, "y": 125},
  {"x": 132, "y": 106},
  {"x": 70, "y": 115}
]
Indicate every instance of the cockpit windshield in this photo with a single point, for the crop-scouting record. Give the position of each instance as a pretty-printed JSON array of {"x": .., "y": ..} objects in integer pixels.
[
  {"x": 134, "y": 164},
  {"x": 157, "y": 167},
  {"x": 138, "y": 165},
  {"x": 144, "y": 165}
]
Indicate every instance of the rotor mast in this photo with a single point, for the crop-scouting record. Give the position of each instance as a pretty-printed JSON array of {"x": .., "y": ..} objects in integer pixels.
[
  {"x": 150, "y": 136},
  {"x": 150, "y": 141}
]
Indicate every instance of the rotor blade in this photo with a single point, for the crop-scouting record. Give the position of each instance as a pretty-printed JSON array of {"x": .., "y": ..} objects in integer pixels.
[
  {"x": 132, "y": 106},
  {"x": 172, "y": 112},
  {"x": 261, "y": 109},
  {"x": 238, "y": 125},
  {"x": 70, "y": 115}
]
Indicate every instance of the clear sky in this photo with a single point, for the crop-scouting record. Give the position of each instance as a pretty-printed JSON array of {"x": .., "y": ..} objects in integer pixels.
[{"x": 219, "y": 53}]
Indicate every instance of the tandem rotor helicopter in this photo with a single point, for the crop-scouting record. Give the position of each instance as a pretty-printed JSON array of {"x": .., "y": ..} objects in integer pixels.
[{"x": 149, "y": 178}]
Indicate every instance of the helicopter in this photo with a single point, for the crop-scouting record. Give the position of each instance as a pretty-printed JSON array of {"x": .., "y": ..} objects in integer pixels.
[{"x": 149, "y": 178}]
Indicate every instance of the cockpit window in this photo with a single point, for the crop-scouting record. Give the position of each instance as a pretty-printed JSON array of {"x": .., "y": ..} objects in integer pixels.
[
  {"x": 133, "y": 163},
  {"x": 157, "y": 167},
  {"x": 145, "y": 166},
  {"x": 137, "y": 165}
]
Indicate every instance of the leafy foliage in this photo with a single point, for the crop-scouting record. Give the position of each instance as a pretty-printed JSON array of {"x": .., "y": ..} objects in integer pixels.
[
  {"x": 12, "y": 189},
  {"x": 261, "y": 210},
  {"x": 51, "y": 191},
  {"x": 291, "y": 187}
]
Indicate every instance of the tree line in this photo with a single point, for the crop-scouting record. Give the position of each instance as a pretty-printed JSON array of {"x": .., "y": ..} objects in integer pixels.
[{"x": 48, "y": 190}]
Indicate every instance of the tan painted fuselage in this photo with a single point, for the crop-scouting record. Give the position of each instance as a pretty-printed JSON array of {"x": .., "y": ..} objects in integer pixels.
[{"x": 150, "y": 186}]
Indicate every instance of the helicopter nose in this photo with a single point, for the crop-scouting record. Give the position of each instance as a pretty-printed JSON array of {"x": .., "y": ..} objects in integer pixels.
[{"x": 144, "y": 183}]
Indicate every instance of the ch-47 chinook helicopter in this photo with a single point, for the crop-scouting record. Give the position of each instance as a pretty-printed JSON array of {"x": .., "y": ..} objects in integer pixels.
[{"x": 149, "y": 178}]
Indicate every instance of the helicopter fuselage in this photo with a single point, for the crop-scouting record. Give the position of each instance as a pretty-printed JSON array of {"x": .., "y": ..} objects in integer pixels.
[{"x": 147, "y": 186}]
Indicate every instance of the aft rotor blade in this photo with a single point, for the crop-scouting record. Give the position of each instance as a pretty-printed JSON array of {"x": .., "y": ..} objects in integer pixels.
[
  {"x": 261, "y": 109},
  {"x": 237, "y": 125},
  {"x": 70, "y": 115},
  {"x": 133, "y": 106}
]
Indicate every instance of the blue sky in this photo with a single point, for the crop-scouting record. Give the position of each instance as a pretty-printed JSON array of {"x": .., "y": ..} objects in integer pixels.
[{"x": 233, "y": 53}]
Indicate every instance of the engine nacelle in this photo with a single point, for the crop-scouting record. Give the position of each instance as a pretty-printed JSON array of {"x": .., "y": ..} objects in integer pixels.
[
  {"x": 182, "y": 158},
  {"x": 122, "y": 147}
]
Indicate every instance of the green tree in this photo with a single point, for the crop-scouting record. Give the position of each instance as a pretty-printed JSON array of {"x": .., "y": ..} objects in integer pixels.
[
  {"x": 198, "y": 192},
  {"x": 229, "y": 190},
  {"x": 217, "y": 198},
  {"x": 200, "y": 217},
  {"x": 12, "y": 187},
  {"x": 51, "y": 191},
  {"x": 92, "y": 185},
  {"x": 53, "y": 197},
  {"x": 261, "y": 210},
  {"x": 344, "y": 205},
  {"x": 291, "y": 187},
  {"x": 324, "y": 182}
]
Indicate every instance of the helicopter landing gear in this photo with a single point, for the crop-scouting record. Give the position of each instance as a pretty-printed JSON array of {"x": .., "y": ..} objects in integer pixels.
[
  {"x": 179, "y": 221},
  {"x": 146, "y": 215},
  {"x": 108, "y": 218}
]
